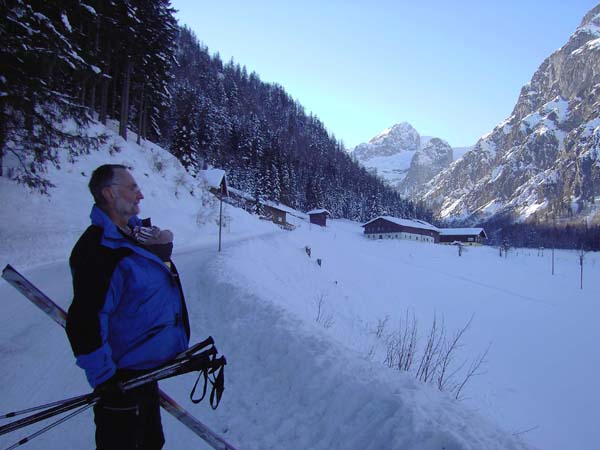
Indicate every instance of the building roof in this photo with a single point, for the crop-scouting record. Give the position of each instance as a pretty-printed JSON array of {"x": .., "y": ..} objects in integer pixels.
[
  {"x": 213, "y": 177},
  {"x": 461, "y": 231},
  {"x": 241, "y": 194},
  {"x": 284, "y": 208},
  {"x": 318, "y": 211},
  {"x": 413, "y": 223}
]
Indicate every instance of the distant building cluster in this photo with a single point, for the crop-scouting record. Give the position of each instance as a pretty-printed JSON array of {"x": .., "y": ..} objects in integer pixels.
[
  {"x": 387, "y": 227},
  {"x": 382, "y": 227}
]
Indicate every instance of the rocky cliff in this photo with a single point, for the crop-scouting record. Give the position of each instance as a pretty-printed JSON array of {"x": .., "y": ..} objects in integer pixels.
[{"x": 542, "y": 162}]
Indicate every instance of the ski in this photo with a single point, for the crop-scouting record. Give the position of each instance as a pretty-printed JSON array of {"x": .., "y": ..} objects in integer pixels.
[{"x": 56, "y": 313}]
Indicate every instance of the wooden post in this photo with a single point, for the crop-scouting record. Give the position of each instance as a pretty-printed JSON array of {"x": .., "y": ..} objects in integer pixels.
[
  {"x": 581, "y": 255},
  {"x": 220, "y": 218}
]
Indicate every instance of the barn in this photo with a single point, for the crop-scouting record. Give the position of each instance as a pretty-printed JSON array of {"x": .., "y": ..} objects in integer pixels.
[
  {"x": 319, "y": 216},
  {"x": 469, "y": 236},
  {"x": 387, "y": 227}
]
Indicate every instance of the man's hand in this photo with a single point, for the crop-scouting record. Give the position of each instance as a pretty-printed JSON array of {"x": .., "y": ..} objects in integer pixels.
[{"x": 110, "y": 391}]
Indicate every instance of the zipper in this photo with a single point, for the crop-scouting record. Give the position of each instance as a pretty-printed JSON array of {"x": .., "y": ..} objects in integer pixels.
[{"x": 135, "y": 408}]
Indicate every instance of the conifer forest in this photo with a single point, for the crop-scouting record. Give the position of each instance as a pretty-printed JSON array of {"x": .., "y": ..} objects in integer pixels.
[{"x": 128, "y": 61}]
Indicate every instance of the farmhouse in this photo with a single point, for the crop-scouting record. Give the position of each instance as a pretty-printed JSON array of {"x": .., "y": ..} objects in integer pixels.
[
  {"x": 387, "y": 227},
  {"x": 469, "y": 236}
]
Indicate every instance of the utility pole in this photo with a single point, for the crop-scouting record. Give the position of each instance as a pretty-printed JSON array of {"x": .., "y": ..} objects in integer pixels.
[
  {"x": 222, "y": 193},
  {"x": 581, "y": 256},
  {"x": 220, "y": 218}
]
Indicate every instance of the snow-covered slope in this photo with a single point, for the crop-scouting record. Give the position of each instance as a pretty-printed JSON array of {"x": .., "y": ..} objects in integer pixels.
[
  {"x": 296, "y": 382},
  {"x": 542, "y": 162}
]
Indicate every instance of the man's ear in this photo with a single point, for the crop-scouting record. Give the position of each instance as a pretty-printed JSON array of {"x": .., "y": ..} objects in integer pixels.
[{"x": 108, "y": 194}]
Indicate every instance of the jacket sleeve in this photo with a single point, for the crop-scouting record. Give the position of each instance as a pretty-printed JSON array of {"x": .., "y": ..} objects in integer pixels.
[{"x": 97, "y": 285}]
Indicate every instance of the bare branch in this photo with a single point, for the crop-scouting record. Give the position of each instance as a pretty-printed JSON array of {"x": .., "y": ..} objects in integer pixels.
[{"x": 476, "y": 364}]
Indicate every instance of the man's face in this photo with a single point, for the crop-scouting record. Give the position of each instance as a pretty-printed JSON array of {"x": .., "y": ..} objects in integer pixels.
[{"x": 127, "y": 195}]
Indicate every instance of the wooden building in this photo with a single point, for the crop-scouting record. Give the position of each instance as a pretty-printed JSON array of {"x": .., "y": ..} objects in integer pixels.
[
  {"x": 319, "y": 216},
  {"x": 469, "y": 236},
  {"x": 278, "y": 213},
  {"x": 387, "y": 227},
  {"x": 216, "y": 181}
]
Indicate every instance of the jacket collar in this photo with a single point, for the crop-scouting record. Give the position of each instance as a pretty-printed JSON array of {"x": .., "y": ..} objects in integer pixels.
[
  {"x": 101, "y": 219},
  {"x": 114, "y": 238}
]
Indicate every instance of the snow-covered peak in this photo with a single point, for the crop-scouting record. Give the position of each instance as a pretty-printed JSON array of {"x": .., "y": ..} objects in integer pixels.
[
  {"x": 394, "y": 140},
  {"x": 402, "y": 135},
  {"x": 591, "y": 22},
  {"x": 399, "y": 150}
]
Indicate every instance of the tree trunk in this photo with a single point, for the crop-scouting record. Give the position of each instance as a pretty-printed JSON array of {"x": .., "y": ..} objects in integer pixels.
[
  {"x": 124, "y": 119},
  {"x": 3, "y": 134},
  {"x": 82, "y": 88},
  {"x": 145, "y": 127},
  {"x": 141, "y": 115},
  {"x": 104, "y": 99},
  {"x": 113, "y": 105},
  {"x": 92, "y": 105}
]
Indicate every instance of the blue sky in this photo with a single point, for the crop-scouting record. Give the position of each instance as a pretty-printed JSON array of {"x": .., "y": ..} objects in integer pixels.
[{"x": 453, "y": 70}]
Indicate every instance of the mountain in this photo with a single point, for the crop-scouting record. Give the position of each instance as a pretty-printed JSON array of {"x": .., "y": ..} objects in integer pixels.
[
  {"x": 403, "y": 158},
  {"x": 427, "y": 162},
  {"x": 541, "y": 163}
]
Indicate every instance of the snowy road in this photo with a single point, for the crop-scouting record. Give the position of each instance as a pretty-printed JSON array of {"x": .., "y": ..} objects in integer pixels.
[{"x": 286, "y": 387}]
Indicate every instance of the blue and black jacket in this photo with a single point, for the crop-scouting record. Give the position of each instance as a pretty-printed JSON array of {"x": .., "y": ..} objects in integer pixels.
[{"x": 128, "y": 309}]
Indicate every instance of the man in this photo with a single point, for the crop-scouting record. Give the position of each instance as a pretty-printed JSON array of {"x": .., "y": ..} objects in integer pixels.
[{"x": 128, "y": 313}]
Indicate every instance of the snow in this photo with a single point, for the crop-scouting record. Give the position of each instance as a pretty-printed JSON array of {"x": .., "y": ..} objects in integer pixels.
[
  {"x": 592, "y": 26},
  {"x": 89, "y": 9},
  {"x": 459, "y": 231},
  {"x": 594, "y": 44},
  {"x": 66, "y": 23},
  {"x": 295, "y": 382},
  {"x": 558, "y": 106},
  {"x": 591, "y": 127},
  {"x": 450, "y": 208},
  {"x": 532, "y": 209},
  {"x": 497, "y": 172},
  {"x": 213, "y": 177},
  {"x": 287, "y": 209},
  {"x": 492, "y": 207},
  {"x": 391, "y": 168},
  {"x": 318, "y": 211},
  {"x": 413, "y": 223}
]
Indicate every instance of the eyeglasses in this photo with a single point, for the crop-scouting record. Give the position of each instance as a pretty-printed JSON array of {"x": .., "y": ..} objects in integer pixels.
[{"x": 132, "y": 187}]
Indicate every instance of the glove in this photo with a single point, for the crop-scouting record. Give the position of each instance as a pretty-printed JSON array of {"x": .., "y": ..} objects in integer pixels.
[{"x": 111, "y": 391}]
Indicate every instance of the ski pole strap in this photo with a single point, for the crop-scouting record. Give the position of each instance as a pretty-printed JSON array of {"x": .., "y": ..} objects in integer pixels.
[
  {"x": 218, "y": 386},
  {"x": 213, "y": 373}
]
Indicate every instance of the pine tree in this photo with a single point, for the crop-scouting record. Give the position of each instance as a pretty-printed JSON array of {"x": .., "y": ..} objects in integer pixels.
[{"x": 41, "y": 65}]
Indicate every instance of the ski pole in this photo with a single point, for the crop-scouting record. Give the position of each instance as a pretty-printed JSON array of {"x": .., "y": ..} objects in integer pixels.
[
  {"x": 201, "y": 362},
  {"x": 89, "y": 399},
  {"x": 35, "y": 408},
  {"x": 49, "y": 427}
]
